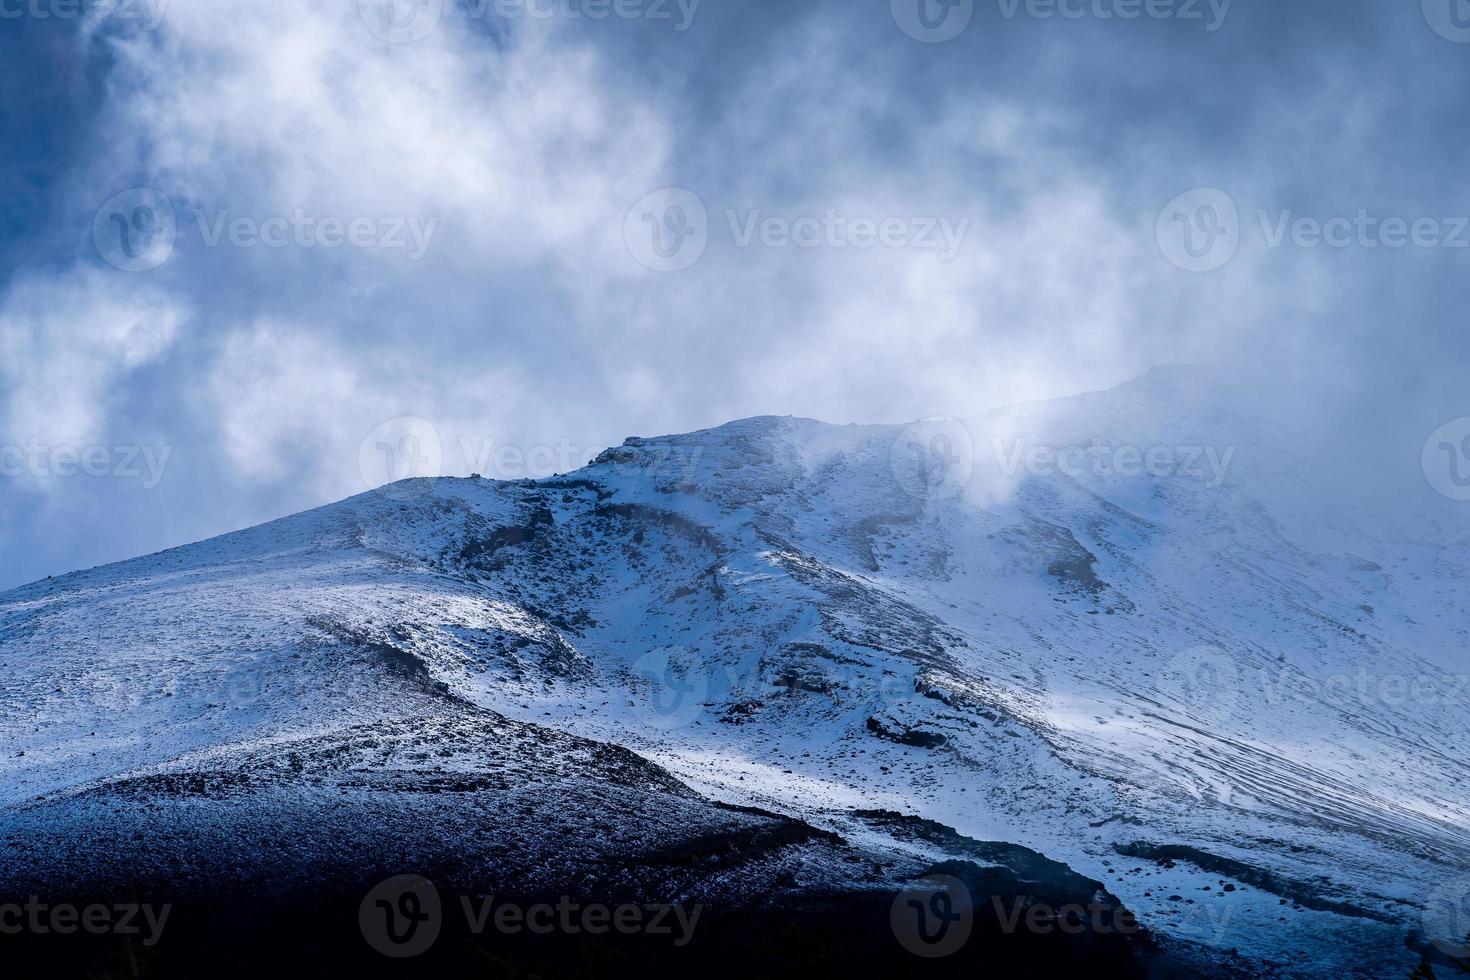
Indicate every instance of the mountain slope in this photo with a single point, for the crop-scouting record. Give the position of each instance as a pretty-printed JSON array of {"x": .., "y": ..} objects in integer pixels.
[{"x": 1200, "y": 681}]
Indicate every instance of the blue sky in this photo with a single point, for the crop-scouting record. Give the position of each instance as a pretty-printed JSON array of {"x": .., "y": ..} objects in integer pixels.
[{"x": 379, "y": 217}]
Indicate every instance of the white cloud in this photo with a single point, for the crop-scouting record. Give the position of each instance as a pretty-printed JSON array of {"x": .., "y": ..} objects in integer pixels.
[
  {"x": 66, "y": 345},
  {"x": 295, "y": 405},
  {"x": 281, "y": 396},
  {"x": 523, "y": 150}
]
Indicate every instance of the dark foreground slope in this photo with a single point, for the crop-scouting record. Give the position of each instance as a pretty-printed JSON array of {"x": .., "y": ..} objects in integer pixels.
[{"x": 483, "y": 846}]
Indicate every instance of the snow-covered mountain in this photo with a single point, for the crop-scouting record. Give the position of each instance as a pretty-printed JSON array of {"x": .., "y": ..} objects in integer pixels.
[{"x": 1134, "y": 631}]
